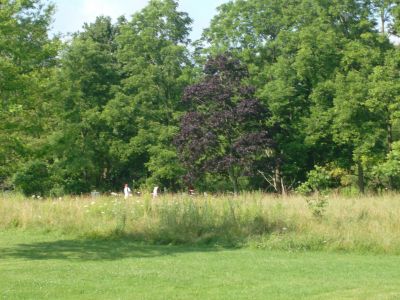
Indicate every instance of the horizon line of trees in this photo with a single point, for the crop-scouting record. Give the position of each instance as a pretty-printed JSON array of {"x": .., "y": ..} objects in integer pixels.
[{"x": 276, "y": 95}]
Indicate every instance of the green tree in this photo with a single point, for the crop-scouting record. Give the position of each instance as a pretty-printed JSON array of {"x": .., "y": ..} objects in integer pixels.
[
  {"x": 384, "y": 100},
  {"x": 143, "y": 116},
  {"x": 83, "y": 86},
  {"x": 310, "y": 61},
  {"x": 26, "y": 58},
  {"x": 384, "y": 94},
  {"x": 354, "y": 124}
]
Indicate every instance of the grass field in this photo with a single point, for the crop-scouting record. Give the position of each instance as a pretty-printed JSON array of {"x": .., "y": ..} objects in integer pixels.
[
  {"x": 51, "y": 266},
  {"x": 368, "y": 224},
  {"x": 254, "y": 246}
]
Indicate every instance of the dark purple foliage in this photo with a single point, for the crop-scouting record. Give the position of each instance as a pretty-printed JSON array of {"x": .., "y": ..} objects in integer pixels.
[
  {"x": 208, "y": 91},
  {"x": 221, "y": 120},
  {"x": 227, "y": 125},
  {"x": 226, "y": 67},
  {"x": 247, "y": 91},
  {"x": 251, "y": 109},
  {"x": 250, "y": 143},
  {"x": 193, "y": 137}
]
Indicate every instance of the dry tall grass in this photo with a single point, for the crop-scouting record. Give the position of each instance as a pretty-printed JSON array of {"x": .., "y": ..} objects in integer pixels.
[{"x": 368, "y": 223}]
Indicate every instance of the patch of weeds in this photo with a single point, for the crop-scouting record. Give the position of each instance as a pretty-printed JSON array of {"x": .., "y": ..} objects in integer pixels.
[
  {"x": 317, "y": 205},
  {"x": 14, "y": 223},
  {"x": 363, "y": 215}
]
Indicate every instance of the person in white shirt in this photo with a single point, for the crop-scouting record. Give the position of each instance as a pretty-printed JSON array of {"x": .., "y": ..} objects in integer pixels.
[
  {"x": 127, "y": 191},
  {"x": 155, "y": 192}
]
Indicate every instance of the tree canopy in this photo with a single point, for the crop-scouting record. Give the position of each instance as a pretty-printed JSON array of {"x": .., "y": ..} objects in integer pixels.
[{"x": 275, "y": 95}]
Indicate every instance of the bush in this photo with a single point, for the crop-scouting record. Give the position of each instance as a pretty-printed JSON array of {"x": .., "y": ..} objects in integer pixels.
[
  {"x": 388, "y": 172},
  {"x": 323, "y": 178},
  {"x": 317, "y": 206},
  {"x": 33, "y": 179},
  {"x": 57, "y": 191}
]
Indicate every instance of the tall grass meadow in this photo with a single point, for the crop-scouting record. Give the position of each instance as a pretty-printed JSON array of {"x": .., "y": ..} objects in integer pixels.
[{"x": 295, "y": 223}]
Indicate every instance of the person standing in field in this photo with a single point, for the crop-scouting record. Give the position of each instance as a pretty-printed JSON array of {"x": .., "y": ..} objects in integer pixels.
[
  {"x": 127, "y": 191},
  {"x": 155, "y": 192}
]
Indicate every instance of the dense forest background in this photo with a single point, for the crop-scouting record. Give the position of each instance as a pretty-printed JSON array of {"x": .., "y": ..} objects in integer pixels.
[{"x": 277, "y": 95}]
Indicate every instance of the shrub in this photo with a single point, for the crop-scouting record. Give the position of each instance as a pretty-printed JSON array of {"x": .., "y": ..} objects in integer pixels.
[
  {"x": 317, "y": 206},
  {"x": 388, "y": 172},
  {"x": 33, "y": 179},
  {"x": 323, "y": 178}
]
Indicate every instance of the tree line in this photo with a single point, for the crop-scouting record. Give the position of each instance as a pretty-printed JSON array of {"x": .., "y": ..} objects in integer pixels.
[{"x": 276, "y": 95}]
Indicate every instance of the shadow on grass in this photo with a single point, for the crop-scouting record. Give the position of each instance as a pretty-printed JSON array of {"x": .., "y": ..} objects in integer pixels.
[{"x": 95, "y": 249}]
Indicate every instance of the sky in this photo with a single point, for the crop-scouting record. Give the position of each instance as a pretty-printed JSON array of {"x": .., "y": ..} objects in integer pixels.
[{"x": 72, "y": 14}]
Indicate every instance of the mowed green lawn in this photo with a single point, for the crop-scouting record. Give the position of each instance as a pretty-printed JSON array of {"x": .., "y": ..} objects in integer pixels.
[{"x": 48, "y": 266}]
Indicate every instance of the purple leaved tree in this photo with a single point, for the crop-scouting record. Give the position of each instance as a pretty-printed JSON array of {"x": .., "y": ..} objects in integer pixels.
[{"x": 225, "y": 129}]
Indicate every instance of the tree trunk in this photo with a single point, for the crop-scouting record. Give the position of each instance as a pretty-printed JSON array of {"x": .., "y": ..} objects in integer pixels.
[
  {"x": 278, "y": 180},
  {"x": 234, "y": 180},
  {"x": 390, "y": 142},
  {"x": 283, "y": 188},
  {"x": 389, "y": 136},
  {"x": 361, "y": 184}
]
